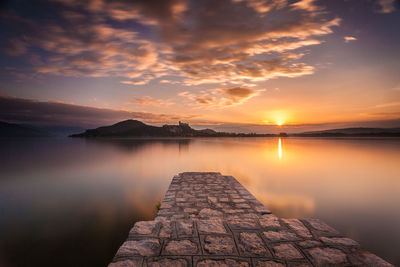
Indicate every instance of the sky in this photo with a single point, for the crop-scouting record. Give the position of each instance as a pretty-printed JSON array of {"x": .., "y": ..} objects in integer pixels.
[{"x": 303, "y": 64}]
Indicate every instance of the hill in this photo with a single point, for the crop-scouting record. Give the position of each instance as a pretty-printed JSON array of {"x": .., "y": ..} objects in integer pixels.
[
  {"x": 357, "y": 132},
  {"x": 134, "y": 128}
]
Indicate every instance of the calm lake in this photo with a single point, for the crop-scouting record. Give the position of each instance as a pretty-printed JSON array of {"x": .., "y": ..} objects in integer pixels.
[{"x": 71, "y": 202}]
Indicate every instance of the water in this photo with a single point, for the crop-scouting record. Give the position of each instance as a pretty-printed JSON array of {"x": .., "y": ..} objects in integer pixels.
[{"x": 71, "y": 202}]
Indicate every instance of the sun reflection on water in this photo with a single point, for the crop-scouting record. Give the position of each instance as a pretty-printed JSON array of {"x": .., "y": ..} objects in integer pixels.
[{"x": 280, "y": 148}]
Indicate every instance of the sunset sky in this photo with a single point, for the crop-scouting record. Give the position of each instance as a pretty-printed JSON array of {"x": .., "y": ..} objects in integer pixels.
[{"x": 258, "y": 62}]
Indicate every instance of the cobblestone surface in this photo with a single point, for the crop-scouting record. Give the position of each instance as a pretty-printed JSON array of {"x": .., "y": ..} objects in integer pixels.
[{"x": 207, "y": 219}]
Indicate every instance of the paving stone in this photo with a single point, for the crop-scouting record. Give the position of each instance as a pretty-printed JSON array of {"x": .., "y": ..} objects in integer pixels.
[
  {"x": 309, "y": 244},
  {"x": 269, "y": 220},
  {"x": 127, "y": 263},
  {"x": 181, "y": 247},
  {"x": 287, "y": 251},
  {"x": 204, "y": 213},
  {"x": 184, "y": 228},
  {"x": 166, "y": 262},
  {"x": 165, "y": 229},
  {"x": 268, "y": 263},
  {"x": 250, "y": 244},
  {"x": 365, "y": 258},
  {"x": 190, "y": 210},
  {"x": 321, "y": 226},
  {"x": 211, "y": 227},
  {"x": 212, "y": 214},
  {"x": 327, "y": 256},
  {"x": 298, "y": 264},
  {"x": 278, "y": 236},
  {"x": 297, "y": 226},
  {"x": 144, "y": 228},
  {"x": 144, "y": 247},
  {"x": 341, "y": 241},
  {"x": 242, "y": 222},
  {"x": 219, "y": 245},
  {"x": 222, "y": 263}
]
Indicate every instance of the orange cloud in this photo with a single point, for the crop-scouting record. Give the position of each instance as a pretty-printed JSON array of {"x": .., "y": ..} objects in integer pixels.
[
  {"x": 220, "y": 97},
  {"x": 217, "y": 42}
]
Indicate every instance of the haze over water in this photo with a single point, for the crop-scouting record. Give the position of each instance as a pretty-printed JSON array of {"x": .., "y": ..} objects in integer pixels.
[{"x": 67, "y": 202}]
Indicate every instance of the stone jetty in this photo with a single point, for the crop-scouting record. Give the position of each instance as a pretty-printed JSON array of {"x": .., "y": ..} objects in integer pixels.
[{"x": 208, "y": 219}]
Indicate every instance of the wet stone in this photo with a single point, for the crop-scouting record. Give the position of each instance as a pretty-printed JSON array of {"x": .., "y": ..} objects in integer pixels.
[
  {"x": 181, "y": 247},
  {"x": 325, "y": 256},
  {"x": 250, "y": 244},
  {"x": 219, "y": 245},
  {"x": 165, "y": 262},
  {"x": 277, "y": 236},
  {"x": 144, "y": 247},
  {"x": 287, "y": 251},
  {"x": 211, "y": 227}
]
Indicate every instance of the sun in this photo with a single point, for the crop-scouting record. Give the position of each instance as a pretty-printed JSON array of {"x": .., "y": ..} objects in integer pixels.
[{"x": 279, "y": 123}]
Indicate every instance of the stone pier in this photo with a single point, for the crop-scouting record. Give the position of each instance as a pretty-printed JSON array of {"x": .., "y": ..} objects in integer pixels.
[{"x": 208, "y": 219}]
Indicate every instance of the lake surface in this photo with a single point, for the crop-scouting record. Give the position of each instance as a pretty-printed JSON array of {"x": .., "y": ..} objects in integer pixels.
[{"x": 71, "y": 202}]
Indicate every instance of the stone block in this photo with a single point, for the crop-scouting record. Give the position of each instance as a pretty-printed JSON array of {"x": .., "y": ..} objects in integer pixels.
[
  {"x": 287, "y": 252},
  {"x": 339, "y": 241},
  {"x": 269, "y": 220},
  {"x": 279, "y": 236},
  {"x": 181, "y": 247},
  {"x": 127, "y": 263},
  {"x": 297, "y": 226},
  {"x": 327, "y": 256},
  {"x": 143, "y": 247},
  {"x": 250, "y": 244},
  {"x": 219, "y": 245},
  {"x": 211, "y": 227}
]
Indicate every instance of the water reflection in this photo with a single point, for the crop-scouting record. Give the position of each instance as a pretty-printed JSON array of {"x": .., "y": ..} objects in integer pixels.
[
  {"x": 64, "y": 201},
  {"x": 280, "y": 148}
]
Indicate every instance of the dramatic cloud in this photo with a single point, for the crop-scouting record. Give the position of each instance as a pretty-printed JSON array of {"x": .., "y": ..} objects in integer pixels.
[
  {"x": 55, "y": 113},
  {"x": 386, "y": 6},
  {"x": 220, "y": 97},
  {"x": 349, "y": 39},
  {"x": 224, "y": 42}
]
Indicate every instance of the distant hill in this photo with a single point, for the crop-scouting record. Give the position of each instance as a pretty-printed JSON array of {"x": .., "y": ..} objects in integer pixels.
[
  {"x": 134, "y": 128},
  {"x": 16, "y": 130},
  {"x": 360, "y": 131}
]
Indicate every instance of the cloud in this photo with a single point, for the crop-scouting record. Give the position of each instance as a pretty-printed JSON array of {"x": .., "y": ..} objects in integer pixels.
[
  {"x": 26, "y": 111},
  {"x": 149, "y": 101},
  {"x": 386, "y": 6},
  {"x": 220, "y": 97},
  {"x": 348, "y": 39},
  {"x": 215, "y": 42},
  {"x": 390, "y": 104}
]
